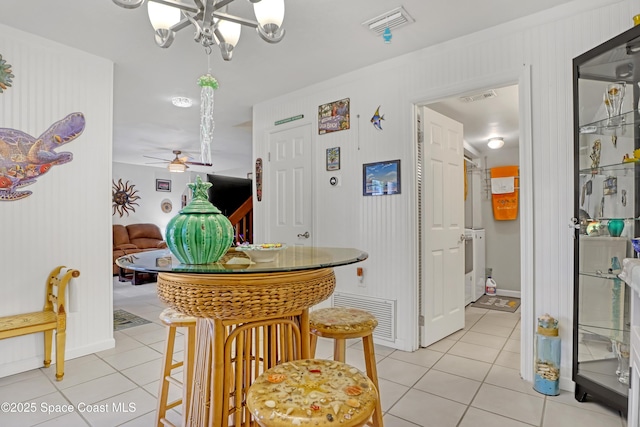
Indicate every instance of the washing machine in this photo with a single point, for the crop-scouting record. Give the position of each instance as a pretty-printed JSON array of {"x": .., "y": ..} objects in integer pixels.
[{"x": 474, "y": 264}]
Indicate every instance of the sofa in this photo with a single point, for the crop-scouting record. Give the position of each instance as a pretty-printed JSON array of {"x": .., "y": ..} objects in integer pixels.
[{"x": 135, "y": 238}]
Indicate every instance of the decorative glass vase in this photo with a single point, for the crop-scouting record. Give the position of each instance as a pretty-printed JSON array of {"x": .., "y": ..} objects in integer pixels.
[
  {"x": 199, "y": 234},
  {"x": 547, "y": 349},
  {"x": 615, "y": 227}
]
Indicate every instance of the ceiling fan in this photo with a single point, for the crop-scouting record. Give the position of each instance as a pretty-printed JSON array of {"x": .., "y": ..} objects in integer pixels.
[{"x": 178, "y": 164}]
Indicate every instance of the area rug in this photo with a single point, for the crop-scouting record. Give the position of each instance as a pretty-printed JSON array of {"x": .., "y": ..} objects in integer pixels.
[
  {"x": 497, "y": 302},
  {"x": 123, "y": 320}
]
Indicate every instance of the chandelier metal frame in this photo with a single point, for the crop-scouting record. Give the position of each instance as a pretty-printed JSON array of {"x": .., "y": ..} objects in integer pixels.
[{"x": 205, "y": 16}]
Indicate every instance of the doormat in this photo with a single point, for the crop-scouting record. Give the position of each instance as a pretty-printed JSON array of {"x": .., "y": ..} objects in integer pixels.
[
  {"x": 123, "y": 320},
  {"x": 496, "y": 302}
]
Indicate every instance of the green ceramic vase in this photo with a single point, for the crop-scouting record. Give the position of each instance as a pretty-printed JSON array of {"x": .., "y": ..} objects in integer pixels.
[
  {"x": 199, "y": 234},
  {"x": 615, "y": 227}
]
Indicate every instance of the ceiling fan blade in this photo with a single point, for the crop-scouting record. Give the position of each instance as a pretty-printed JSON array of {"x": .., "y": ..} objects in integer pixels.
[
  {"x": 198, "y": 164},
  {"x": 155, "y": 163},
  {"x": 157, "y": 158}
]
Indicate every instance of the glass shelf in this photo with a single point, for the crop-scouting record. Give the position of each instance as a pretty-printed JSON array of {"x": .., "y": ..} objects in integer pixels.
[
  {"x": 607, "y": 330},
  {"x": 608, "y": 276},
  {"x": 606, "y": 170},
  {"x": 616, "y": 125},
  {"x": 605, "y": 219}
]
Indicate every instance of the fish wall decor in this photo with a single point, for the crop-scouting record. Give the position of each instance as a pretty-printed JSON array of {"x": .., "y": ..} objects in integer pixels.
[
  {"x": 23, "y": 158},
  {"x": 377, "y": 118}
]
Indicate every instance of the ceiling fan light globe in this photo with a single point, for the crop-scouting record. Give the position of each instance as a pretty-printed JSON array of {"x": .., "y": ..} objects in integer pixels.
[{"x": 177, "y": 167}]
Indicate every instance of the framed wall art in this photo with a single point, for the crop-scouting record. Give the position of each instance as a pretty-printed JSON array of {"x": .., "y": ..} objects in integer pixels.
[
  {"x": 333, "y": 117},
  {"x": 610, "y": 186},
  {"x": 333, "y": 159},
  {"x": 163, "y": 185},
  {"x": 381, "y": 178}
]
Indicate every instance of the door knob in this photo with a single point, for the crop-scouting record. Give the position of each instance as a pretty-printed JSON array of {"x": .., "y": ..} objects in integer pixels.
[{"x": 305, "y": 235}]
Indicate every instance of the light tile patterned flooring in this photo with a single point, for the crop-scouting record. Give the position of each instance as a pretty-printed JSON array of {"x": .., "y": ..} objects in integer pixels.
[{"x": 467, "y": 379}]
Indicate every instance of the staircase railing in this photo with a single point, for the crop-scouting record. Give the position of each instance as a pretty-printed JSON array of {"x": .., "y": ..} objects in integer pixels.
[{"x": 242, "y": 222}]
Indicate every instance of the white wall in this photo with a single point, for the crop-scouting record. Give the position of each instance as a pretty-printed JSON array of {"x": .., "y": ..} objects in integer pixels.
[
  {"x": 66, "y": 219},
  {"x": 545, "y": 43},
  {"x": 144, "y": 180},
  {"x": 502, "y": 238}
]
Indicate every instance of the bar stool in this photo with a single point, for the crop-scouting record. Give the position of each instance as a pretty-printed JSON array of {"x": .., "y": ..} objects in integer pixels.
[
  {"x": 174, "y": 320},
  {"x": 340, "y": 324},
  {"x": 311, "y": 393}
]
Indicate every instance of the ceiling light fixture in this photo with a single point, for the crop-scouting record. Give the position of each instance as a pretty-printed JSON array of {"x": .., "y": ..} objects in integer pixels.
[
  {"x": 181, "y": 101},
  {"x": 212, "y": 23},
  {"x": 495, "y": 143},
  {"x": 177, "y": 166}
]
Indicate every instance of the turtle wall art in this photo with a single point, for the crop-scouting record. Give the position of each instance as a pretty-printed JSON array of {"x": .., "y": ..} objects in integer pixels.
[{"x": 23, "y": 158}]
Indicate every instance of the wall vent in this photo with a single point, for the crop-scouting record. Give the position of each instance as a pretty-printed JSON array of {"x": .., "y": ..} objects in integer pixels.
[
  {"x": 393, "y": 19},
  {"x": 479, "y": 96},
  {"x": 383, "y": 309}
]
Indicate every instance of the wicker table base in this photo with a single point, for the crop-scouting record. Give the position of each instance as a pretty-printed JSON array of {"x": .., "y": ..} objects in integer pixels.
[{"x": 247, "y": 323}]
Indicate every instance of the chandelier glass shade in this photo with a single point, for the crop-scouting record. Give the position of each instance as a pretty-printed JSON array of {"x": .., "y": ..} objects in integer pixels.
[
  {"x": 211, "y": 20},
  {"x": 161, "y": 16}
]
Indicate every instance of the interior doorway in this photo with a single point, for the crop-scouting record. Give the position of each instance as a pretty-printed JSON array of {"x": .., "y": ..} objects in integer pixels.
[
  {"x": 491, "y": 113},
  {"x": 519, "y": 143}
]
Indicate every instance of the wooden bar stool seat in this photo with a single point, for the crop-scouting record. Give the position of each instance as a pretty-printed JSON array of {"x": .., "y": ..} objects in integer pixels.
[
  {"x": 174, "y": 320},
  {"x": 340, "y": 324},
  {"x": 312, "y": 393}
]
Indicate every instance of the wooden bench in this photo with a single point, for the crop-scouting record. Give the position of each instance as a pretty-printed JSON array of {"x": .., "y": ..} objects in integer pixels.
[{"x": 52, "y": 317}]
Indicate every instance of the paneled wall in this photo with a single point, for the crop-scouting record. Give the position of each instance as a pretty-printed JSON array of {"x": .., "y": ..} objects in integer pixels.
[
  {"x": 66, "y": 221},
  {"x": 502, "y": 237},
  {"x": 148, "y": 208},
  {"x": 545, "y": 44}
]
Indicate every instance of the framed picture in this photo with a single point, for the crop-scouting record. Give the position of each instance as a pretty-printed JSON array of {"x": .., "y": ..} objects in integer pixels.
[
  {"x": 333, "y": 159},
  {"x": 333, "y": 117},
  {"x": 610, "y": 186},
  {"x": 381, "y": 178},
  {"x": 163, "y": 185}
]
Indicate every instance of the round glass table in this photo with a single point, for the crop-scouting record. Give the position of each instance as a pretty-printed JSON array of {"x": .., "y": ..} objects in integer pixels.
[{"x": 251, "y": 316}]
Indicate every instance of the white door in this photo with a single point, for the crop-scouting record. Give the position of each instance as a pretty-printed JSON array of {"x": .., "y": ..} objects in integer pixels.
[
  {"x": 442, "y": 284},
  {"x": 289, "y": 187}
]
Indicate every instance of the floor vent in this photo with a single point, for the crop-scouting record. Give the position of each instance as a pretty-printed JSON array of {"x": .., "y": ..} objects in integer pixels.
[
  {"x": 383, "y": 309},
  {"x": 479, "y": 96},
  {"x": 393, "y": 19}
]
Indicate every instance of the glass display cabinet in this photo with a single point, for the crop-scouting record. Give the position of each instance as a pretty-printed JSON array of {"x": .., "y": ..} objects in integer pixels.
[{"x": 607, "y": 214}]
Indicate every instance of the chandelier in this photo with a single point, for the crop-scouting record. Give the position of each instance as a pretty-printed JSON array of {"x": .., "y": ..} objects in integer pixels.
[{"x": 211, "y": 20}]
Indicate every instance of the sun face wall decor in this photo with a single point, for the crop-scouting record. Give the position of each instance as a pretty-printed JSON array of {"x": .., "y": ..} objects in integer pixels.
[
  {"x": 23, "y": 158},
  {"x": 124, "y": 198}
]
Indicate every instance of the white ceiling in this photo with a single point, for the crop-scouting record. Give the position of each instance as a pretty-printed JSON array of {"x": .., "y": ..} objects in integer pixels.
[
  {"x": 324, "y": 39},
  {"x": 486, "y": 118}
]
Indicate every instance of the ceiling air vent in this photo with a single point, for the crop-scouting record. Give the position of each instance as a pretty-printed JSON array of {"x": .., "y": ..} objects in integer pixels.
[
  {"x": 393, "y": 19},
  {"x": 479, "y": 96}
]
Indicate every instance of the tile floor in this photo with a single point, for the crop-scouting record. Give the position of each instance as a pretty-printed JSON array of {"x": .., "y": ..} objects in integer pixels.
[{"x": 467, "y": 379}]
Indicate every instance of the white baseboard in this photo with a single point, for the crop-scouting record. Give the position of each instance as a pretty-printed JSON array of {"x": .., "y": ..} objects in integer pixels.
[
  {"x": 36, "y": 362},
  {"x": 508, "y": 293}
]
